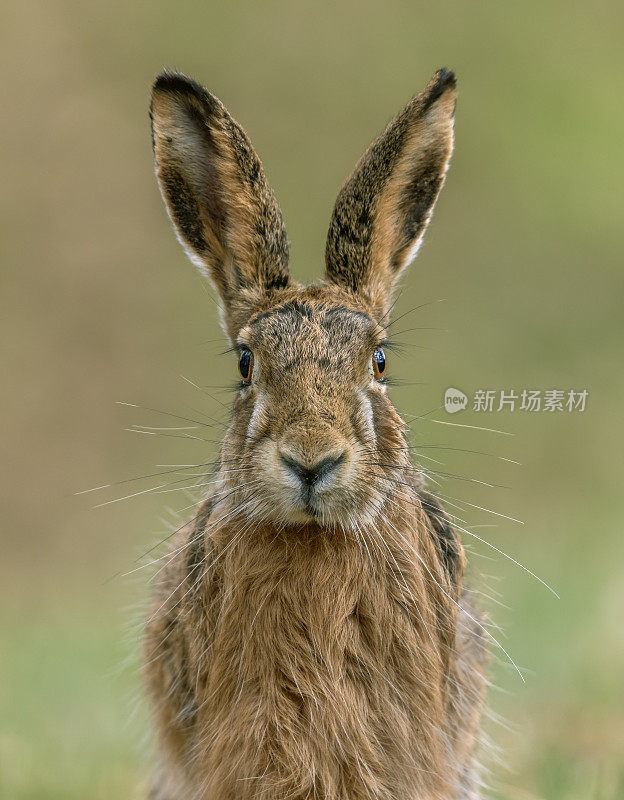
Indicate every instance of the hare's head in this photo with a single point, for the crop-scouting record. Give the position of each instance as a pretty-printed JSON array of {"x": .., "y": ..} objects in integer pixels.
[{"x": 314, "y": 438}]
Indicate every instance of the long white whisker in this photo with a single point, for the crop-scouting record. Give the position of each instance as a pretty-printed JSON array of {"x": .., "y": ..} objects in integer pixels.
[
  {"x": 526, "y": 569},
  {"x": 496, "y": 642}
]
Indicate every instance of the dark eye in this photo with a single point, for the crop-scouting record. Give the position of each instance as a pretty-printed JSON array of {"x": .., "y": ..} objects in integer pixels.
[
  {"x": 245, "y": 365},
  {"x": 379, "y": 363}
]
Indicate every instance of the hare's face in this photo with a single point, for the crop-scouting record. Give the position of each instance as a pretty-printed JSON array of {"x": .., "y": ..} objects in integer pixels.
[
  {"x": 312, "y": 417},
  {"x": 313, "y": 436}
]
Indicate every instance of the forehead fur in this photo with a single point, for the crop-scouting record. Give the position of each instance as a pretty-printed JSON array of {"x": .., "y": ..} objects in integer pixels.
[
  {"x": 252, "y": 307},
  {"x": 310, "y": 313}
]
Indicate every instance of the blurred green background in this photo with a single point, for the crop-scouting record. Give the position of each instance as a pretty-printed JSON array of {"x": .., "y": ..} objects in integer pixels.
[{"x": 99, "y": 306}]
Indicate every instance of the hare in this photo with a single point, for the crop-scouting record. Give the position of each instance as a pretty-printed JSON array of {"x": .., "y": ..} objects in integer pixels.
[{"x": 310, "y": 636}]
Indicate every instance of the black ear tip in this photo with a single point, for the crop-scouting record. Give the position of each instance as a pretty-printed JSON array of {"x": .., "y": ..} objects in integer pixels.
[
  {"x": 176, "y": 83},
  {"x": 442, "y": 81},
  {"x": 446, "y": 78}
]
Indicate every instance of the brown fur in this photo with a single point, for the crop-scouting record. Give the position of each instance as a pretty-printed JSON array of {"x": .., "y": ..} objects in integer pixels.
[
  {"x": 311, "y": 642},
  {"x": 383, "y": 209}
]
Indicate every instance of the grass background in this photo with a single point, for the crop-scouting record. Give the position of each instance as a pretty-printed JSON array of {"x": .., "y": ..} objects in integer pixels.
[{"x": 100, "y": 306}]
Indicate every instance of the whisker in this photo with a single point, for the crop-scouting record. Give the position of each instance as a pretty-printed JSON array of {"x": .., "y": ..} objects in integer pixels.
[
  {"x": 416, "y": 308},
  {"x": 170, "y": 414},
  {"x": 228, "y": 515},
  {"x": 419, "y": 447},
  {"x": 476, "y": 622},
  {"x": 128, "y": 496},
  {"x": 166, "y": 428},
  {"x": 94, "y": 489},
  {"x": 203, "y": 391},
  {"x": 197, "y": 485},
  {"x": 177, "y": 468},
  {"x": 392, "y": 305},
  {"x": 511, "y": 558},
  {"x": 441, "y": 474},
  {"x": 482, "y": 508},
  {"x": 459, "y": 425}
]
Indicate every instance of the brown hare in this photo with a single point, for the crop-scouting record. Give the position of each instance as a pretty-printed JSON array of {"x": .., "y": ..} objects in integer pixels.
[{"x": 310, "y": 636}]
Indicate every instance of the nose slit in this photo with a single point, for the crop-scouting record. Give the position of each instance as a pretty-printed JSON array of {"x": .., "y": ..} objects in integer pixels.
[{"x": 314, "y": 474}]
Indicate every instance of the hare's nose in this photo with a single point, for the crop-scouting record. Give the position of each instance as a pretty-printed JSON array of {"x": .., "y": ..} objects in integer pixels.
[{"x": 310, "y": 476}]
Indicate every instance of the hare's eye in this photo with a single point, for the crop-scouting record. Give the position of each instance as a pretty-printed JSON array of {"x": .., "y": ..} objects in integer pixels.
[
  {"x": 245, "y": 365},
  {"x": 379, "y": 363}
]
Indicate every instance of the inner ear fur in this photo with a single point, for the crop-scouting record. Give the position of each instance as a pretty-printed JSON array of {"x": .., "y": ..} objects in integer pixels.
[
  {"x": 383, "y": 209},
  {"x": 216, "y": 192}
]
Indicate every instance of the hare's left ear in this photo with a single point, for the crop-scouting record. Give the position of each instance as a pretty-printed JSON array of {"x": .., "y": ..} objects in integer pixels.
[
  {"x": 218, "y": 198},
  {"x": 383, "y": 210}
]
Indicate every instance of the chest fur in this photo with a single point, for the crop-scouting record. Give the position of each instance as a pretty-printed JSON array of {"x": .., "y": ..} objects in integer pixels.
[{"x": 322, "y": 675}]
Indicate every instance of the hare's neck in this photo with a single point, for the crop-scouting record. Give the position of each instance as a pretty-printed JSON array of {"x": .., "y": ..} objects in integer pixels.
[
  {"x": 274, "y": 586},
  {"x": 320, "y": 641}
]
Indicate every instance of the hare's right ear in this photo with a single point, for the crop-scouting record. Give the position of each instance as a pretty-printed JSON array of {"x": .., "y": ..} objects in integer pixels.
[
  {"x": 383, "y": 209},
  {"x": 217, "y": 196}
]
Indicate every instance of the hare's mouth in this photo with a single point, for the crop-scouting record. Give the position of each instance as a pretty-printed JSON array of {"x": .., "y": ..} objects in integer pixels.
[
  {"x": 312, "y": 483},
  {"x": 307, "y": 503},
  {"x": 301, "y": 485}
]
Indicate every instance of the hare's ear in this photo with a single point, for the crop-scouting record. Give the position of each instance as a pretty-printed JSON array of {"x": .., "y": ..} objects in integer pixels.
[
  {"x": 383, "y": 209},
  {"x": 216, "y": 193}
]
